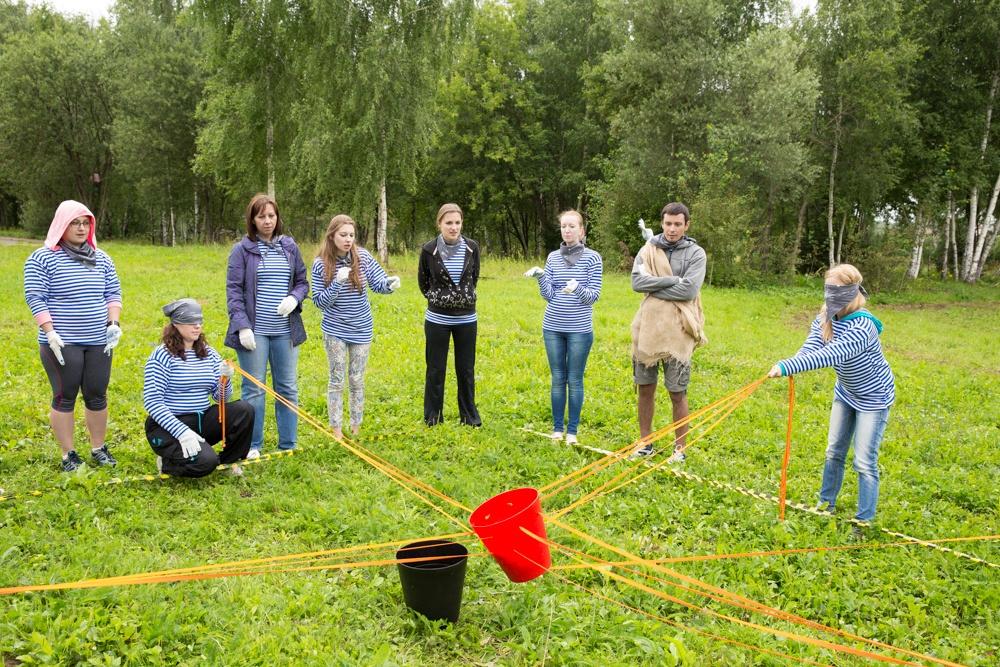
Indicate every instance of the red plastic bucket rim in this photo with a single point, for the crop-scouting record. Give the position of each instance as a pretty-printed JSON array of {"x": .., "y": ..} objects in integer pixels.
[{"x": 521, "y": 500}]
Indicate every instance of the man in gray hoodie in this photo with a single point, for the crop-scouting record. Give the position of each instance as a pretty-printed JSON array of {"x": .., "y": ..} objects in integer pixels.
[{"x": 671, "y": 333}]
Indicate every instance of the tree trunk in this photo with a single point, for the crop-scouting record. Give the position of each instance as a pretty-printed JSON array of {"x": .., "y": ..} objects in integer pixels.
[
  {"x": 163, "y": 228},
  {"x": 917, "y": 254},
  {"x": 381, "y": 243},
  {"x": 270, "y": 136},
  {"x": 799, "y": 230},
  {"x": 173, "y": 227},
  {"x": 833, "y": 169},
  {"x": 947, "y": 237},
  {"x": 840, "y": 238},
  {"x": 196, "y": 213},
  {"x": 986, "y": 233},
  {"x": 973, "y": 226}
]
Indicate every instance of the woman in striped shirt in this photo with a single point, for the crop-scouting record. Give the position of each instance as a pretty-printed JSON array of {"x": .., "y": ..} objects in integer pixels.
[
  {"x": 571, "y": 284},
  {"x": 342, "y": 274},
  {"x": 846, "y": 336},
  {"x": 448, "y": 273},
  {"x": 75, "y": 296},
  {"x": 265, "y": 285},
  {"x": 180, "y": 375}
]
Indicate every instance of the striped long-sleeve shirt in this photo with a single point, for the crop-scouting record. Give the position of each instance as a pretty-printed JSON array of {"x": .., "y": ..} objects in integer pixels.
[
  {"x": 347, "y": 313},
  {"x": 273, "y": 278},
  {"x": 864, "y": 379},
  {"x": 571, "y": 313},
  {"x": 74, "y": 296},
  {"x": 174, "y": 386},
  {"x": 454, "y": 267}
]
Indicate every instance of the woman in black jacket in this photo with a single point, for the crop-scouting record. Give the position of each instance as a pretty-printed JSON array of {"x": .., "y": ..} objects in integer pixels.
[{"x": 448, "y": 273}]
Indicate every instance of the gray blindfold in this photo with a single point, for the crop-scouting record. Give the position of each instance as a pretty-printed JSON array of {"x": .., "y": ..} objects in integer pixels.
[
  {"x": 837, "y": 297},
  {"x": 183, "y": 311}
]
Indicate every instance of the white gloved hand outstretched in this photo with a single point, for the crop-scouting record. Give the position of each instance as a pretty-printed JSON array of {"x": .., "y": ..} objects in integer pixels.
[
  {"x": 534, "y": 272},
  {"x": 191, "y": 444},
  {"x": 57, "y": 344},
  {"x": 394, "y": 283},
  {"x": 571, "y": 286},
  {"x": 114, "y": 335},
  {"x": 226, "y": 369},
  {"x": 343, "y": 273},
  {"x": 247, "y": 340},
  {"x": 647, "y": 233},
  {"x": 287, "y": 305}
]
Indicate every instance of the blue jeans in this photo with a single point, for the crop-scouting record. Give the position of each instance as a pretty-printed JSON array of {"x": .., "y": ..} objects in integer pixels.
[
  {"x": 284, "y": 360},
  {"x": 867, "y": 429},
  {"x": 567, "y": 354}
]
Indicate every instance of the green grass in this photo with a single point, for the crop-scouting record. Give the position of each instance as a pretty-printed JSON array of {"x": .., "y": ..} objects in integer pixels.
[{"x": 939, "y": 461}]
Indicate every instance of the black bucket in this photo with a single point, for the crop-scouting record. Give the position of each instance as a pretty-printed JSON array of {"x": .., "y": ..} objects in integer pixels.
[{"x": 433, "y": 587}]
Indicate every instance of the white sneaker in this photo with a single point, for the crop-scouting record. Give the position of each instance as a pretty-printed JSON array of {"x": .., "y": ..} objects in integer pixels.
[
  {"x": 556, "y": 435},
  {"x": 571, "y": 439},
  {"x": 236, "y": 470},
  {"x": 677, "y": 456},
  {"x": 253, "y": 454},
  {"x": 159, "y": 465}
]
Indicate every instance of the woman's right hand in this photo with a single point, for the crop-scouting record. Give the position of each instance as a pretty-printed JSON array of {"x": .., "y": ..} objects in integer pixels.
[
  {"x": 56, "y": 344},
  {"x": 534, "y": 272},
  {"x": 191, "y": 444},
  {"x": 775, "y": 371},
  {"x": 247, "y": 340},
  {"x": 343, "y": 273}
]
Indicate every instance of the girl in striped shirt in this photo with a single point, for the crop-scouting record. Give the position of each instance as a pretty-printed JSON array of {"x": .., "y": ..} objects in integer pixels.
[
  {"x": 570, "y": 284},
  {"x": 265, "y": 285},
  {"x": 75, "y": 296},
  {"x": 342, "y": 274},
  {"x": 180, "y": 376},
  {"x": 846, "y": 336}
]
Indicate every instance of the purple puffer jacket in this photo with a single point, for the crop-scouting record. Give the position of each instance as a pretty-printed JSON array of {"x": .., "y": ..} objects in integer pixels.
[{"x": 241, "y": 288}]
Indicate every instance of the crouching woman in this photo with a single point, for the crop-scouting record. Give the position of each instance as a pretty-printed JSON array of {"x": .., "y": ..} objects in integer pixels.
[{"x": 183, "y": 424}]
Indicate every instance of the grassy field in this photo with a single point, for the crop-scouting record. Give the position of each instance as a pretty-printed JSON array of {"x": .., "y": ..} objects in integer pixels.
[{"x": 939, "y": 461}]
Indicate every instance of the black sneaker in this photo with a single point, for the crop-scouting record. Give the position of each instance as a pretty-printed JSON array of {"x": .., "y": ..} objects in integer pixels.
[
  {"x": 102, "y": 457},
  {"x": 72, "y": 461},
  {"x": 859, "y": 531},
  {"x": 641, "y": 453}
]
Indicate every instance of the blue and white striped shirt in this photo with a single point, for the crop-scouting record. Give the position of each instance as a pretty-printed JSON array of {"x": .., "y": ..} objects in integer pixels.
[
  {"x": 76, "y": 296},
  {"x": 864, "y": 379},
  {"x": 174, "y": 386},
  {"x": 571, "y": 313},
  {"x": 347, "y": 313},
  {"x": 454, "y": 267},
  {"x": 273, "y": 277}
]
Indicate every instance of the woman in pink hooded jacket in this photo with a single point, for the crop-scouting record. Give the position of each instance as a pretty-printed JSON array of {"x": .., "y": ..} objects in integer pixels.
[{"x": 75, "y": 296}]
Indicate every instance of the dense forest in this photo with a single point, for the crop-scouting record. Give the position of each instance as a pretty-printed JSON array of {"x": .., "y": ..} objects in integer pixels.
[{"x": 859, "y": 131}]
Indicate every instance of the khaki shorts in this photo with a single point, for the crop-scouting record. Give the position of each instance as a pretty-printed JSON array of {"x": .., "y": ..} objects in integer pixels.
[{"x": 676, "y": 375}]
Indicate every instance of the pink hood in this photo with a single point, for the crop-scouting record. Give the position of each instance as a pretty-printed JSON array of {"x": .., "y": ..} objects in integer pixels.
[{"x": 67, "y": 212}]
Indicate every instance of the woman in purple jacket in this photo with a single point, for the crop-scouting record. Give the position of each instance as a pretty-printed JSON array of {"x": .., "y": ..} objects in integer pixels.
[{"x": 265, "y": 286}]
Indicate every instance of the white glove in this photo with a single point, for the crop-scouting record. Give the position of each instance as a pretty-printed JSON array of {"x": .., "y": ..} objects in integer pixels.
[
  {"x": 394, "y": 283},
  {"x": 571, "y": 286},
  {"x": 113, "y": 337},
  {"x": 343, "y": 273},
  {"x": 647, "y": 233},
  {"x": 534, "y": 272},
  {"x": 57, "y": 344},
  {"x": 191, "y": 444},
  {"x": 247, "y": 340},
  {"x": 226, "y": 369},
  {"x": 287, "y": 305}
]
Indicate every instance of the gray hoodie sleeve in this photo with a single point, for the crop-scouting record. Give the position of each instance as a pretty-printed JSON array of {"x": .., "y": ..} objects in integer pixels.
[
  {"x": 688, "y": 285},
  {"x": 643, "y": 282}
]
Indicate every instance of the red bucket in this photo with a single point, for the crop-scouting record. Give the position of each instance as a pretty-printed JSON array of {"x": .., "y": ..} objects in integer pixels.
[{"x": 498, "y": 523}]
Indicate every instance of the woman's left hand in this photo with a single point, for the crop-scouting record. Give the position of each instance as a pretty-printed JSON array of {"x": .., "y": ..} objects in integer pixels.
[
  {"x": 287, "y": 305},
  {"x": 775, "y": 371},
  {"x": 114, "y": 336}
]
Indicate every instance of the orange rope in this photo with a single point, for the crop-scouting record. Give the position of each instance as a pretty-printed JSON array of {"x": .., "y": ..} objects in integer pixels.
[
  {"x": 788, "y": 449},
  {"x": 722, "y": 595},
  {"x": 222, "y": 406}
]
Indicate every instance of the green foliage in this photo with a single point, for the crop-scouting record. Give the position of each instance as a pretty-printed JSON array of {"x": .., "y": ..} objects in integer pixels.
[{"x": 938, "y": 460}]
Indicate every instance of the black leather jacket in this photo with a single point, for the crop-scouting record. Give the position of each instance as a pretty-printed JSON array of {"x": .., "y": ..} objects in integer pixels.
[{"x": 444, "y": 296}]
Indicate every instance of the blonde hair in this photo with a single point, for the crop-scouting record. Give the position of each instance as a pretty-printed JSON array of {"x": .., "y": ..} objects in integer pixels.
[
  {"x": 845, "y": 274},
  {"x": 448, "y": 208},
  {"x": 328, "y": 252}
]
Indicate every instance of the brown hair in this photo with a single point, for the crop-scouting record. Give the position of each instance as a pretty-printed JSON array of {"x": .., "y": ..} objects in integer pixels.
[
  {"x": 256, "y": 205},
  {"x": 174, "y": 342},
  {"x": 328, "y": 252},
  {"x": 846, "y": 274},
  {"x": 448, "y": 208},
  {"x": 675, "y": 208}
]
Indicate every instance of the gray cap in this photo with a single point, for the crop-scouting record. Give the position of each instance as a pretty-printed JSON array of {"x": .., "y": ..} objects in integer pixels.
[{"x": 183, "y": 311}]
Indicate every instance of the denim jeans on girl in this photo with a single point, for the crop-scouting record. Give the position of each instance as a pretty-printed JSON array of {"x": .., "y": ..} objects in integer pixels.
[
  {"x": 867, "y": 429},
  {"x": 567, "y": 353},
  {"x": 284, "y": 360}
]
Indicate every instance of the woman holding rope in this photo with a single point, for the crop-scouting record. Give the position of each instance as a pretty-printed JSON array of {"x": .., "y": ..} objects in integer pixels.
[
  {"x": 570, "y": 284},
  {"x": 180, "y": 376},
  {"x": 75, "y": 297},
  {"x": 846, "y": 336},
  {"x": 342, "y": 274},
  {"x": 265, "y": 286}
]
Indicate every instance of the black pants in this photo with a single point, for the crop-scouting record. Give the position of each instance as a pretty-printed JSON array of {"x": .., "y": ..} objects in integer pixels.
[
  {"x": 438, "y": 337},
  {"x": 87, "y": 369},
  {"x": 239, "y": 428}
]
